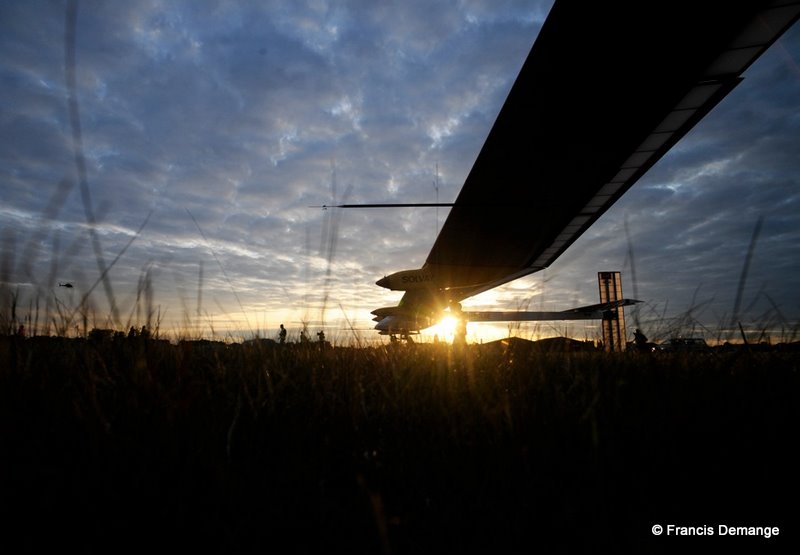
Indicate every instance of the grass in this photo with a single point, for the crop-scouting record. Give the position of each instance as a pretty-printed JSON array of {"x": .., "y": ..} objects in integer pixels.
[{"x": 132, "y": 444}]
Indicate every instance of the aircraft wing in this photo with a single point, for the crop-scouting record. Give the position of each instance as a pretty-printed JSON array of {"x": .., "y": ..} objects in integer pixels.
[
  {"x": 591, "y": 312},
  {"x": 607, "y": 89}
]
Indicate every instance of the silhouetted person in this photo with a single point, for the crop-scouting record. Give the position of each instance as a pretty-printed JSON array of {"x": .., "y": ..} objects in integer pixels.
[
  {"x": 321, "y": 336},
  {"x": 460, "y": 334},
  {"x": 21, "y": 331},
  {"x": 282, "y": 335},
  {"x": 639, "y": 340}
]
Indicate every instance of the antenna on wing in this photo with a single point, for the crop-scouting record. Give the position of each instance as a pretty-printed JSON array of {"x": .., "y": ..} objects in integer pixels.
[{"x": 386, "y": 205}]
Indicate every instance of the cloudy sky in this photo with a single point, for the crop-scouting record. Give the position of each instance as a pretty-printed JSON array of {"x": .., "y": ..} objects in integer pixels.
[{"x": 209, "y": 129}]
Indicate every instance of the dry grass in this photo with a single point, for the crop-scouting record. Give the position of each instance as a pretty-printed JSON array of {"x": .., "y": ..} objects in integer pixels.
[{"x": 124, "y": 444}]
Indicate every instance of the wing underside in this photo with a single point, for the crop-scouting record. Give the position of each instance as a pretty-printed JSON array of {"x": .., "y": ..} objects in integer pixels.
[{"x": 606, "y": 91}]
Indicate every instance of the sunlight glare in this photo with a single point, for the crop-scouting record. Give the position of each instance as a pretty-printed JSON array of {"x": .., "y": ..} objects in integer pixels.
[{"x": 445, "y": 329}]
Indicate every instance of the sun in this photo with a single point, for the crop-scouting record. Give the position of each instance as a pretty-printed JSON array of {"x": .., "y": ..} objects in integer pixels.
[{"x": 445, "y": 328}]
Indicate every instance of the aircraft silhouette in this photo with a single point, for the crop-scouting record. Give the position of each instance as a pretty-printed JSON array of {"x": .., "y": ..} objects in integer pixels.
[{"x": 606, "y": 90}]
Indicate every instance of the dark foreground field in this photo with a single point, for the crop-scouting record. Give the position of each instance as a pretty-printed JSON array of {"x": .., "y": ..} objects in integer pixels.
[{"x": 142, "y": 446}]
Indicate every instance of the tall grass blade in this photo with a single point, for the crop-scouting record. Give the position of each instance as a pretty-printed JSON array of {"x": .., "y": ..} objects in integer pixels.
[
  {"x": 743, "y": 278},
  {"x": 222, "y": 269},
  {"x": 80, "y": 160}
]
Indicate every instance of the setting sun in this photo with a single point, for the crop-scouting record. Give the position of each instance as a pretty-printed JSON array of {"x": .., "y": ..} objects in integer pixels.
[{"x": 445, "y": 329}]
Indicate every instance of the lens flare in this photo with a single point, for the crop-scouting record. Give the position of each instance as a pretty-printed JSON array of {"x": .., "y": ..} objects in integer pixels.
[{"x": 445, "y": 329}]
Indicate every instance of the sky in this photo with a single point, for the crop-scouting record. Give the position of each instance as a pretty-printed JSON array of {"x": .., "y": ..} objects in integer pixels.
[{"x": 210, "y": 130}]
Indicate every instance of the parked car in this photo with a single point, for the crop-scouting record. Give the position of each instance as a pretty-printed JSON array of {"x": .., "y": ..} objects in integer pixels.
[{"x": 683, "y": 344}]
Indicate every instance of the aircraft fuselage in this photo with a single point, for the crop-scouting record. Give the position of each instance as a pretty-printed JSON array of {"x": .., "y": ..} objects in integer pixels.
[{"x": 407, "y": 280}]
